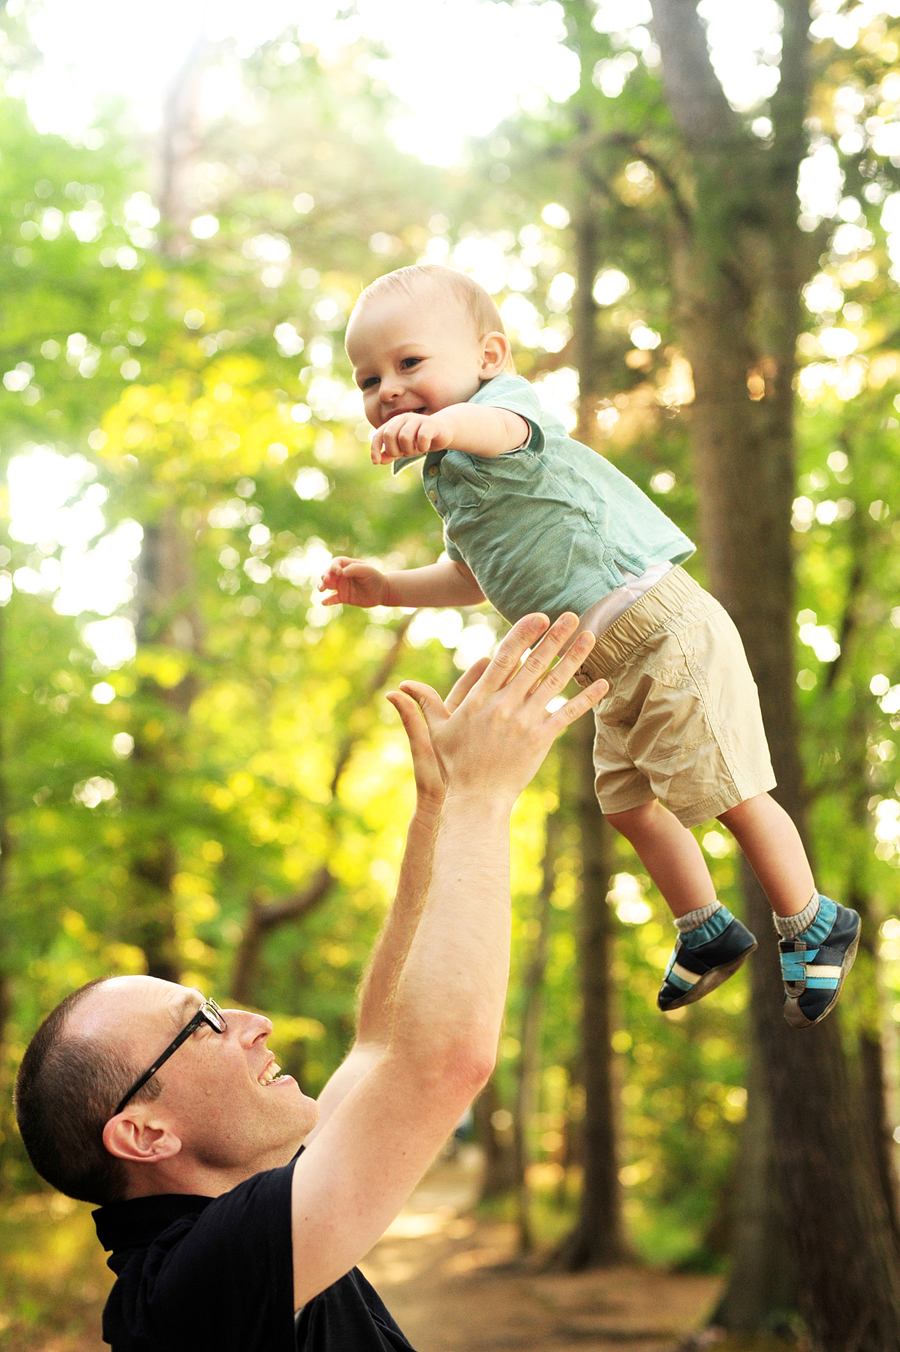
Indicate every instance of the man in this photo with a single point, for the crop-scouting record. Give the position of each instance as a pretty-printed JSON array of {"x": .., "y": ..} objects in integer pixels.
[{"x": 141, "y": 1095}]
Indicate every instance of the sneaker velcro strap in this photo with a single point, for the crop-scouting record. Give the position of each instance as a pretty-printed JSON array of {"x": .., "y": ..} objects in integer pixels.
[
  {"x": 682, "y": 977},
  {"x": 793, "y": 965},
  {"x": 690, "y": 963}
]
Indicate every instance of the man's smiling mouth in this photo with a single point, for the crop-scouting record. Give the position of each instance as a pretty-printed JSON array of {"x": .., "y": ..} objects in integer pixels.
[{"x": 271, "y": 1073}]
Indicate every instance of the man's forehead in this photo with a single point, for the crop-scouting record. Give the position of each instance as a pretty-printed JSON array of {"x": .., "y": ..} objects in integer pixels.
[{"x": 124, "y": 1000}]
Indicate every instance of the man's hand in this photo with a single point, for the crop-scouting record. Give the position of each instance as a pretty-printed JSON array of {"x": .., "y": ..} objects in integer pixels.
[
  {"x": 411, "y": 434},
  {"x": 430, "y": 787},
  {"x": 351, "y": 582},
  {"x": 492, "y": 743}
]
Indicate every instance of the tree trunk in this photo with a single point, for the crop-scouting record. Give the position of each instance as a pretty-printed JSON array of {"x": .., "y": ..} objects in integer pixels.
[
  {"x": 180, "y": 144},
  {"x": 878, "y": 1062},
  {"x": 495, "y": 1141},
  {"x": 597, "y": 1239},
  {"x": 762, "y": 1264},
  {"x": 166, "y": 611},
  {"x": 530, "y": 1039},
  {"x": 6, "y": 993},
  {"x": 166, "y": 616},
  {"x": 878, "y": 1041},
  {"x": 737, "y": 270}
]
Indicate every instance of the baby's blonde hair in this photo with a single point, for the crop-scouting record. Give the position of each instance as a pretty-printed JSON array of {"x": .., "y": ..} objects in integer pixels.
[{"x": 478, "y": 303}]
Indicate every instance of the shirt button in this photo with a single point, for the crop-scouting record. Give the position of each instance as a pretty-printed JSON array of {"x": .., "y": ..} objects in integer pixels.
[
  {"x": 432, "y": 470},
  {"x": 433, "y": 496}
]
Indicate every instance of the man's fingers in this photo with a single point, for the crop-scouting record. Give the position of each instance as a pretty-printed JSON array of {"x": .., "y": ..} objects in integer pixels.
[
  {"x": 541, "y": 657},
  {"x": 411, "y": 717},
  {"x": 554, "y": 678},
  {"x": 584, "y": 700},
  {"x": 505, "y": 662},
  {"x": 467, "y": 680},
  {"x": 428, "y": 700}
]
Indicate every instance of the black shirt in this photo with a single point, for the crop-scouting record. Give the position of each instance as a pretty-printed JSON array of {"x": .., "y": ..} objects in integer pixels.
[{"x": 201, "y": 1272}]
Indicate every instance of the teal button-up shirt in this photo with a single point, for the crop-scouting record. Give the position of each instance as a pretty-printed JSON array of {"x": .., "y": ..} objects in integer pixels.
[{"x": 550, "y": 527}]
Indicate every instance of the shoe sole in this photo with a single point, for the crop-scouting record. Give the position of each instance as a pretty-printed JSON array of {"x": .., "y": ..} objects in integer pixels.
[
  {"x": 794, "y": 1014},
  {"x": 709, "y": 981}
]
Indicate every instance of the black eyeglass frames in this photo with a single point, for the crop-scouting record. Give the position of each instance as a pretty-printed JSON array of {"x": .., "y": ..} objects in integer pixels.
[{"x": 208, "y": 1013}]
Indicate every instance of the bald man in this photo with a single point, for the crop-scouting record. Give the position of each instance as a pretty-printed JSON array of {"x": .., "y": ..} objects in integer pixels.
[{"x": 171, "y": 1113}]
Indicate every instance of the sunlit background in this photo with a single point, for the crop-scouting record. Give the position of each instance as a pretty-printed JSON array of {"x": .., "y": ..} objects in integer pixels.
[{"x": 209, "y": 394}]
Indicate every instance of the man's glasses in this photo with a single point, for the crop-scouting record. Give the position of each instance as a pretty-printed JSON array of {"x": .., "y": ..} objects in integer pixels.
[{"x": 208, "y": 1013}]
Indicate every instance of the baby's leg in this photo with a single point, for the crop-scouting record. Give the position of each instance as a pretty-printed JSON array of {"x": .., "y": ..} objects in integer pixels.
[
  {"x": 670, "y": 854},
  {"x": 774, "y": 850},
  {"x": 818, "y": 936},
  {"x": 712, "y": 944}
]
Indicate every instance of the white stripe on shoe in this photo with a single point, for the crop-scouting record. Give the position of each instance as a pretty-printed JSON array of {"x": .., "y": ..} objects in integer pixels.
[{"x": 690, "y": 977}]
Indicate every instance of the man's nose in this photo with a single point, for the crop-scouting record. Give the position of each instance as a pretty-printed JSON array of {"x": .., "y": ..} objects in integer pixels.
[{"x": 249, "y": 1027}]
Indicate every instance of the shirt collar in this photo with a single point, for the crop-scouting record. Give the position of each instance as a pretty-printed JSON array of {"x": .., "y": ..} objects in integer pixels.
[
  {"x": 430, "y": 458},
  {"x": 135, "y": 1224}
]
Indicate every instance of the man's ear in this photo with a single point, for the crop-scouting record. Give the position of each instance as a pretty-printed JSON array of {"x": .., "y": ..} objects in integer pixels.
[
  {"x": 140, "y": 1140},
  {"x": 494, "y": 354}
]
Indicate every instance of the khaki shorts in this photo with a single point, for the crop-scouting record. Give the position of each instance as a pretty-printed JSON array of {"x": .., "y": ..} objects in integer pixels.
[{"x": 681, "y": 722}]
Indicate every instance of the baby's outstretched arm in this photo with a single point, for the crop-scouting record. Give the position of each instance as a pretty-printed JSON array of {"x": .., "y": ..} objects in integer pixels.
[
  {"x": 354, "y": 583},
  {"x": 475, "y": 428}
]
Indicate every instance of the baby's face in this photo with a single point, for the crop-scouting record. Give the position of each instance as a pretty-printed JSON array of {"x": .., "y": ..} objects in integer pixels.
[{"x": 413, "y": 353}]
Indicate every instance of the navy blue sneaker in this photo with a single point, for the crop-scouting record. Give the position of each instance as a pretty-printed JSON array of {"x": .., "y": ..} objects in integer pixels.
[
  {"x": 703, "y": 958},
  {"x": 815, "y": 963}
]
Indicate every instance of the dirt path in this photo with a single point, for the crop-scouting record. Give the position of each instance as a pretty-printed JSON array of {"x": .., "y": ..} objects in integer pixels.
[{"x": 453, "y": 1286}]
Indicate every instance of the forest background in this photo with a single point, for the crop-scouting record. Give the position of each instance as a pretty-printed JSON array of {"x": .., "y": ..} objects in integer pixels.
[{"x": 199, "y": 776}]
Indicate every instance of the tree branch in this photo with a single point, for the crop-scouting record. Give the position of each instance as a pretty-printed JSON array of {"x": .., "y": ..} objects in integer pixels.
[
  {"x": 790, "y": 102},
  {"x": 694, "y": 94},
  {"x": 376, "y": 681},
  {"x": 265, "y": 916},
  {"x": 268, "y": 915}
]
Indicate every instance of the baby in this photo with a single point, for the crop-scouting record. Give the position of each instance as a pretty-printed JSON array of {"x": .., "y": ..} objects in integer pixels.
[{"x": 536, "y": 521}]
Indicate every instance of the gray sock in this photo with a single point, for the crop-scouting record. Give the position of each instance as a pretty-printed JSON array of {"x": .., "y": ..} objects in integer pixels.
[
  {"x": 790, "y": 926},
  {"x": 694, "y": 919}
]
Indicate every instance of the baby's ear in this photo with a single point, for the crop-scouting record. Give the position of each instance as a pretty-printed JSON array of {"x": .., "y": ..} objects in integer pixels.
[{"x": 494, "y": 354}]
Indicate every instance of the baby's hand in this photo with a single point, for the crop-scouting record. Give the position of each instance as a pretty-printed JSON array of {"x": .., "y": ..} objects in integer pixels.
[
  {"x": 350, "y": 582},
  {"x": 411, "y": 434}
]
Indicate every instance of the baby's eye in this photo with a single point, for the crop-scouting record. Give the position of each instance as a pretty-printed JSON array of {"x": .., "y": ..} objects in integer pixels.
[
  {"x": 367, "y": 382},
  {"x": 408, "y": 363}
]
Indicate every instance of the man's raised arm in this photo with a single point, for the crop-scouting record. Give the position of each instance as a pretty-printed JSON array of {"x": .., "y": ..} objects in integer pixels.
[
  {"x": 437, "y": 1046},
  {"x": 379, "y": 984}
]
